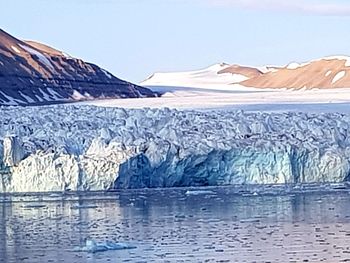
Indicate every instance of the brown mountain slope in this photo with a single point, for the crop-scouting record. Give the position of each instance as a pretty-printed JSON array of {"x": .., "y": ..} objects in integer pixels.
[
  {"x": 325, "y": 73},
  {"x": 332, "y": 72},
  {"x": 33, "y": 73},
  {"x": 249, "y": 72}
]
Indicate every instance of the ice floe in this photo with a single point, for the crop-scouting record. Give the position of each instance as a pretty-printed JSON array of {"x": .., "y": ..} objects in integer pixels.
[{"x": 92, "y": 246}]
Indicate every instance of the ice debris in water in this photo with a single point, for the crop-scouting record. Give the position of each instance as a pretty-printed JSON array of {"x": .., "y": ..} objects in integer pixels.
[
  {"x": 91, "y": 246},
  {"x": 199, "y": 192}
]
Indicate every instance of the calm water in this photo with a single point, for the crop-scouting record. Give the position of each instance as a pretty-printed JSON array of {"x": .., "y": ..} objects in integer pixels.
[{"x": 215, "y": 225}]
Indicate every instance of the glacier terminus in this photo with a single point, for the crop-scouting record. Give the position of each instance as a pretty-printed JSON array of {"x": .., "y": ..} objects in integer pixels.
[{"x": 88, "y": 148}]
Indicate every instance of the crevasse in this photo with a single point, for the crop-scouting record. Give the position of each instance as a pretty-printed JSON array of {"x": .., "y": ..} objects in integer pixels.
[{"x": 85, "y": 148}]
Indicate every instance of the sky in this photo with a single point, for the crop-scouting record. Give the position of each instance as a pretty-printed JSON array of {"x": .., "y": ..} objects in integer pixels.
[{"x": 135, "y": 38}]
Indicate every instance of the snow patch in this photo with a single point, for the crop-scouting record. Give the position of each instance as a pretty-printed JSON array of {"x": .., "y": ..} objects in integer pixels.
[
  {"x": 273, "y": 70},
  {"x": 238, "y": 78},
  {"x": 346, "y": 58},
  {"x": 87, "y": 95},
  {"x": 41, "y": 57},
  {"x": 106, "y": 73},
  {"x": 77, "y": 95},
  {"x": 339, "y": 76},
  {"x": 29, "y": 99},
  {"x": 54, "y": 94},
  {"x": 66, "y": 55},
  {"x": 296, "y": 65},
  {"x": 39, "y": 98},
  {"x": 11, "y": 101},
  {"x": 45, "y": 95},
  {"x": 293, "y": 65},
  {"x": 328, "y": 73},
  {"x": 16, "y": 49}
]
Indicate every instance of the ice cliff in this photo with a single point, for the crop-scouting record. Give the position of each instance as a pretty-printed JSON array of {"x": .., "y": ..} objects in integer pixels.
[{"x": 85, "y": 148}]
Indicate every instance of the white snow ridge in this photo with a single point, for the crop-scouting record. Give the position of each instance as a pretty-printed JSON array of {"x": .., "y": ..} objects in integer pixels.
[
  {"x": 204, "y": 78},
  {"x": 93, "y": 148}
]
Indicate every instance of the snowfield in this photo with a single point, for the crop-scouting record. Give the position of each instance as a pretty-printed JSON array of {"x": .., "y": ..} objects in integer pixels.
[
  {"x": 324, "y": 100},
  {"x": 206, "y": 89},
  {"x": 85, "y": 148},
  {"x": 204, "y": 78}
]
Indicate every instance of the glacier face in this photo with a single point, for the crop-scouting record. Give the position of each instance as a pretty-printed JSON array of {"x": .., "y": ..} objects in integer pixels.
[{"x": 86, "y": 148}]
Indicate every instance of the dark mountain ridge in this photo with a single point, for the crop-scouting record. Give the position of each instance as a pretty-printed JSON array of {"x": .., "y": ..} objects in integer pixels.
[{"x": 32, "y": 73}]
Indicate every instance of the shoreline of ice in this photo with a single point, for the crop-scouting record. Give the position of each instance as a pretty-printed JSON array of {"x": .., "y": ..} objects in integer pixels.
[{"x": 87, "y": 148}]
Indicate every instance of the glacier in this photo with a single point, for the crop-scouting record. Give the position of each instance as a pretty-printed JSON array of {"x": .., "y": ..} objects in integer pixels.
[{"x": 89, "y": 148}]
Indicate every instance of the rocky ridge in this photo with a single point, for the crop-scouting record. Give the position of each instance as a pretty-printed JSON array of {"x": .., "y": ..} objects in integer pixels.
[{"x": 32, "y": 73}]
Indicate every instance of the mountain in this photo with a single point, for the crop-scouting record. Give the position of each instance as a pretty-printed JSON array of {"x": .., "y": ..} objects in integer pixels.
[
  {"x": 327, "y": 72},
  {"x": 32, "y": 73}
]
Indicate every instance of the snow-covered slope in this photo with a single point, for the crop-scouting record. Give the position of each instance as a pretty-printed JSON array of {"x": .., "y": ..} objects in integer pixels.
[
  {"x": 327, "y": 72},
  {"x": 60, "y": 148},
  {"x": 214, "y": 76}
]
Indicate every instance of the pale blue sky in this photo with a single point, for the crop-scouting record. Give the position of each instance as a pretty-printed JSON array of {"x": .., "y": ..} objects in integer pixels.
[{"x": 134, "y": 38}]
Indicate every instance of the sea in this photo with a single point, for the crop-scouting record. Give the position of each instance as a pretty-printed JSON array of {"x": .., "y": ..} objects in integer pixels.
[{"x": 275, "y": 223}]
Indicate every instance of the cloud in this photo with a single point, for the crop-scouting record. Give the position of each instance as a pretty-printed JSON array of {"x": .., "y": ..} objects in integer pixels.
[{"x": 325, "y": 8}]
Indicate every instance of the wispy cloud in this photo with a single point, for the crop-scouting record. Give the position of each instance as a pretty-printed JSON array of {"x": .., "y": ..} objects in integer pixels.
[{"x": 326, "y": 8}]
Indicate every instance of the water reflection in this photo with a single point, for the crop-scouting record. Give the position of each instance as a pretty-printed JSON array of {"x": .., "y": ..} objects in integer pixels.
[{"x": 168, "y": 225}]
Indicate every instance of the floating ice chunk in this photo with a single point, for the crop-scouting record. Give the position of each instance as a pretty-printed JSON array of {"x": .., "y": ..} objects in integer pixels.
[
  {"x": 199, "y": 192},
  {"x": 92, "y": 246}
]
